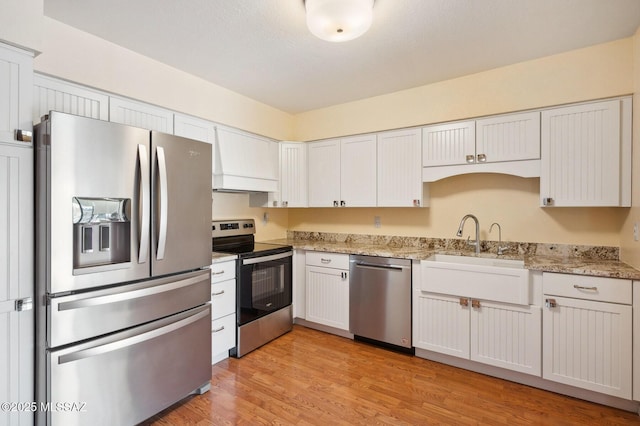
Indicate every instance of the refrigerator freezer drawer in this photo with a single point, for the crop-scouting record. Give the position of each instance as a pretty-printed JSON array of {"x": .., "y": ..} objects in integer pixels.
[
  {"x": 81, "y": 316},
  {"x": 128, "y": 377}
]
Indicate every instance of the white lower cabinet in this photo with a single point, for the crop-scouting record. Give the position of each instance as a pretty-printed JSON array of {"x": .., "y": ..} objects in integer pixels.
[
  {"x": 327, "y": 288},
  {"x": 223, "y": 309},
  {"x": 587, "y": 329},
  {"x": 498, "y": 334}
]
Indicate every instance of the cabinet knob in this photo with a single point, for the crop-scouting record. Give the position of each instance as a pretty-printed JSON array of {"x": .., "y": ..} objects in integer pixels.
[
  {"x": 285, "y": 204},
  {"x": 550, "y": 303},
  {"x": 471, "y": 159},
  {"x": 482, "y": 158},
  {"x": 464, "y": 301},
  {"x": 547, "y": 201},
  {"x": 475, "y": 304},
  {"x": 343, "y": 204},
  {"x": 416, "y": 203},
  {"x": 335, "y": 203}
]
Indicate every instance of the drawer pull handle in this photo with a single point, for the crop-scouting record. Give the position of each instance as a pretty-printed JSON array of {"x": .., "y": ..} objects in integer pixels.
[
  {"x": 475, "y": 304},
  {"x": 217, "y": 330},
  {"x": 218, "y": 273},
  {"x": 579, "y": 287},
  {"x": 218, "y": 293},
  {"x": 464, "y": 301},
  {"x": 325, "y": 260}
]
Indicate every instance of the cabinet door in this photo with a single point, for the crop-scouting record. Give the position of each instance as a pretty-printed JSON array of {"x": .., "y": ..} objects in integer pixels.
[
  {"x": 324, "y": 173},
  {"x": 51, "y": 94},
  {"x": 194, "y": 128},
  {"x": 293, "y": 174},
  {"x": 358, "y": 171},
  {"x": 16, "y": 85},
  {"x": 441, "y": 323},
  {"x": 16, "y": 281},
  {"x": 509, "y": 137},
  {"x": 139, "y": 114},
  {"x": 400, "y": 168},
  {"x": 581, "y": 155},
  {"x": 588, "y": 344},
  {"x": 328, "y": 297},
  {"x": 449, "y": 144},
  {"x": 507, "y": 336}
]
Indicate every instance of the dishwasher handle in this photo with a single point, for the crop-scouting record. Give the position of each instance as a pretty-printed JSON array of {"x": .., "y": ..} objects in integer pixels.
[{"x": 379, "y": 266}]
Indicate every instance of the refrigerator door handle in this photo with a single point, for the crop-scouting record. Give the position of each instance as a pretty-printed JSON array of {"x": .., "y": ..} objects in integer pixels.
[
  {"x": 162, "y": 171},
  {"x": 145, "y": 201}
]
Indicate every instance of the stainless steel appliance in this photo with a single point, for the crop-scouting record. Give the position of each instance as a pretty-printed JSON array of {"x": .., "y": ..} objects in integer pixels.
[
  {"x": 123, "y": 285},
  {"x": 380, "y": 300},
  {"x": 263, "y": 284}
]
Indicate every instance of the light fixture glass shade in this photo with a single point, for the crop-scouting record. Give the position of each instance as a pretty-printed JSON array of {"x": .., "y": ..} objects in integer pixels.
[{"x": 339, "y": 20}]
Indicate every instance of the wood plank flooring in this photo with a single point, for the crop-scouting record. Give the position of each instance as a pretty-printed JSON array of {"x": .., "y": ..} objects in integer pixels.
[{"x": 307, "y": 377}]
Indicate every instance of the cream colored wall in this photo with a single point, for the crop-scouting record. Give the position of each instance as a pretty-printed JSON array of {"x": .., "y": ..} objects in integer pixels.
[
  {"x": 83, "y": 58},
  {"x": 630, "y": 249},
  {"x": 595, "y": 72},
  {"x": 236, "y": 206}
]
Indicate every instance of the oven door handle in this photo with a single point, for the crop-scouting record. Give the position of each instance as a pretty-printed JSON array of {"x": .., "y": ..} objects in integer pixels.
[{"x": 261, "y": 259}]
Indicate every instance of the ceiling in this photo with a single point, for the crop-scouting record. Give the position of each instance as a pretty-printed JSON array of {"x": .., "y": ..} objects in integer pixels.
[{"x": 263, "y": 50}]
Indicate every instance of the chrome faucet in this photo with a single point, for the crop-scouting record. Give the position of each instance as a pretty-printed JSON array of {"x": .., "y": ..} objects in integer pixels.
[
  {"x": 476, "y": 243},
  {"x": 500, "y": 248}
]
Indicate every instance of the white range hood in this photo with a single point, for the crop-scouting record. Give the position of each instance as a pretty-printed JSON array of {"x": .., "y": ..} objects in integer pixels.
[{"x": 244, "y": 162}]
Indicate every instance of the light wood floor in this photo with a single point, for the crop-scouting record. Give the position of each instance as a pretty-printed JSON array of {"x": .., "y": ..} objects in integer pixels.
[{"x": 307, "y": 377}]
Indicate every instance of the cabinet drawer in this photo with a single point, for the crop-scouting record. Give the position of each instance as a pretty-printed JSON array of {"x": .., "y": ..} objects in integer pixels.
[
  {"x": 223, "y": 298},
  {"x": 223, "y": 334},
  {"x": 601, "y": 289},
  {"x": 327, "y": 260},
  {"x": 223, "y": 271}
]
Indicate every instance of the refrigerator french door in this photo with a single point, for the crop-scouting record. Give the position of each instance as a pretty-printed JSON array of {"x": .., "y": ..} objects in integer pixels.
[{"x": 122, "y": 279}]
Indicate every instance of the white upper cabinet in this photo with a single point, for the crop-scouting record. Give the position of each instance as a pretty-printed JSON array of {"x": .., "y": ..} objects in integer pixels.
[
  {"x": 511, "y": 137},
  {"x": 139, "y": 114},
  {"x": 51, "y": 94},
  {"x": 292, "y": 189},
  {"x": 449, "y": 144},
  {"x": 586, "y": 155},
  {"x": 358, "y": 171},
  {"x": 16, "y": 85},
  {"x": 244, "y": 161},
  {"x": 194, "y": 128},
  {"x": 324, "y": 173},
  {"x": 342, "y": 172},
  {"x": 400, "y": 168},
  {"x": 293, "y": 174},
  {"x": 508, "y": 143}
]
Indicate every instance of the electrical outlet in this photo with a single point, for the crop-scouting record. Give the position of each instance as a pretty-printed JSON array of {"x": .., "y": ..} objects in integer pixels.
[
  {"x": 635, "y": 231},
  {"x": 376, "y": 221}
]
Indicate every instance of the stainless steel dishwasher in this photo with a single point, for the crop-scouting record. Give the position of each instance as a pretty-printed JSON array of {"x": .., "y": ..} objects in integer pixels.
[{"x": 380, "y": 300}]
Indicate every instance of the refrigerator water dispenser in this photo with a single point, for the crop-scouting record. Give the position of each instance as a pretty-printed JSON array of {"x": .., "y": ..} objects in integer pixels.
[{"x": 101, "y": 231}]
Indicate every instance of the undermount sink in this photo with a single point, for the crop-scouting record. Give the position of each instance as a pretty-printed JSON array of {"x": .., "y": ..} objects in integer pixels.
[
  {"x": 473, "y": 260},
  {"x": 500, "y": 280}
]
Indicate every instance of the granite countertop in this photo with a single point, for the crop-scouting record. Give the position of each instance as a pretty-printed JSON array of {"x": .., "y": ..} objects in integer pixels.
[
  {"x": 580, "y": 260},
  {"x": 217, "y": 257}
]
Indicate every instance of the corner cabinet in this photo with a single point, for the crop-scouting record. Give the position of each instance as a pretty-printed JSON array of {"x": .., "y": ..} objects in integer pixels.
[
  {"x": 586, "y": 155},
  {"x": 327, "y": 289},
  {"x": 400, "y": 169},
  {"x": 587, "y": 332}
]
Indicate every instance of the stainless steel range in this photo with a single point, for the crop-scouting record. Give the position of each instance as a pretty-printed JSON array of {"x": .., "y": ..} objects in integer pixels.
[{"x": 263, "y": 284}]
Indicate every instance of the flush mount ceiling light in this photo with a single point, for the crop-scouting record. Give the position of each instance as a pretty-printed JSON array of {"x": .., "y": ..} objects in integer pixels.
[{"x": 339, "y": 20}]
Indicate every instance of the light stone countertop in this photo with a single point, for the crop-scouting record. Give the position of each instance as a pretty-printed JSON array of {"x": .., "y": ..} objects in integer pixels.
[
  {"x": 567, "y": 259},
  {"x": 217, "y": 257}
]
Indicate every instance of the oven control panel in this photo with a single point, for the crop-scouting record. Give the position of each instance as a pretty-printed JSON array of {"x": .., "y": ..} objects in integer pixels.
[{"x": 229, "y": 228}]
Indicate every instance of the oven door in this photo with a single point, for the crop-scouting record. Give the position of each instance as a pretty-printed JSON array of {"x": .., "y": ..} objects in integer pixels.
[{"x": 264, "y": 285}]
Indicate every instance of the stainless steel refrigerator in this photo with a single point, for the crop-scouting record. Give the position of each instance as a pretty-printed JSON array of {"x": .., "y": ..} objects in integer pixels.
[{"x": 122, "y": 279}]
